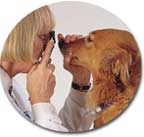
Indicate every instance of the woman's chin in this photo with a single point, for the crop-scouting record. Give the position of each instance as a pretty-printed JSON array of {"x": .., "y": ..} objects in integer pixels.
[{"x": 27, "y": 68}]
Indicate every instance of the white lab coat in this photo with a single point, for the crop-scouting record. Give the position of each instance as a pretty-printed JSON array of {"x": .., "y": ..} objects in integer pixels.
[{"x": 73, "y": 117}]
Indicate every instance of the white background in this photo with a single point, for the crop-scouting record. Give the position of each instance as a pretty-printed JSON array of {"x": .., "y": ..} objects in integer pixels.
[{"x": 129, "y": 124}]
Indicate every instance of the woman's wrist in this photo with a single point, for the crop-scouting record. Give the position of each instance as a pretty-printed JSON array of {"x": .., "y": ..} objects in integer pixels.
[
  {"x": 80, "y": 81},
  {"x": 39, "y": 100}
]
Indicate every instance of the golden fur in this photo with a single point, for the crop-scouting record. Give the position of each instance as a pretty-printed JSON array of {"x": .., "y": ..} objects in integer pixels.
[{"x": 114, "y": 60}]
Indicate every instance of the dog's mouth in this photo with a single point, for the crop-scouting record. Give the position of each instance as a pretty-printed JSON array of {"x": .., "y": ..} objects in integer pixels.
[{"x": 74, "y": 60}]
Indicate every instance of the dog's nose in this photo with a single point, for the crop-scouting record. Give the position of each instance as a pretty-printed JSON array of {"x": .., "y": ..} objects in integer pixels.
[{"x": 62, "y": 44}]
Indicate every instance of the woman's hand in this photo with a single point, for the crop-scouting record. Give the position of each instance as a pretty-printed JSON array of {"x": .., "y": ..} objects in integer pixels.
[
  {"x": 80, "y": 74},
  {"x": 41, "y": 80}
]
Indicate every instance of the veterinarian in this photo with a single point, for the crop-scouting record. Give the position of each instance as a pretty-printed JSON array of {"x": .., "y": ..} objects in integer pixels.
[{"x": 21, "y": 53}]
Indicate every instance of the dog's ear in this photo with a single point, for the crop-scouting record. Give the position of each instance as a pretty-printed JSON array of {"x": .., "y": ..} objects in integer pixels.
[{"x": 115, "y": 62}]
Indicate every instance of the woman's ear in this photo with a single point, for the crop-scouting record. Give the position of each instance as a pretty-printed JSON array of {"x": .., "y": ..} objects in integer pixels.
[{"x": 116, "y": 62}]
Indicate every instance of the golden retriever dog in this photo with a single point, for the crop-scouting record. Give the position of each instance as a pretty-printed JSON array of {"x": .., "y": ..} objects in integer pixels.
[{"x": 114, "y": 60}]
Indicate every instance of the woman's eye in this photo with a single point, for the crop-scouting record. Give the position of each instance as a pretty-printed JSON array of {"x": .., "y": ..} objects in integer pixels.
[
  {"x": 43, "y": 37},
  {"x": 89, "y": 39}
]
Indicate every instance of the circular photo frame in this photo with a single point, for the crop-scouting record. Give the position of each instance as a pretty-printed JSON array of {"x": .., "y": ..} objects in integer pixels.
[{"x": 70, "y": 67}]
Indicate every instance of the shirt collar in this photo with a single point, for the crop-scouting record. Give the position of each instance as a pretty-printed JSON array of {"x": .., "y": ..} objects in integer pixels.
[{"x": 5, "y": 80}]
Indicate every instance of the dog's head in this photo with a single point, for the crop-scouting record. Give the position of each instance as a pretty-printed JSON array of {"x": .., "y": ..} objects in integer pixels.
[
  {"x": 107, "y": 53},
  {"x": 114, "y": 60},
  {"x": 84, "y": 50}
]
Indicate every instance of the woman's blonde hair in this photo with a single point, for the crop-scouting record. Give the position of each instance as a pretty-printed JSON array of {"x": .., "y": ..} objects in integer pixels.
[{"x": 19, "y": 45}]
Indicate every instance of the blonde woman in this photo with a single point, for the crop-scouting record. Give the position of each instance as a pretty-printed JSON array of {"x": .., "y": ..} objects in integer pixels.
[{"x": 21, "y": 53}]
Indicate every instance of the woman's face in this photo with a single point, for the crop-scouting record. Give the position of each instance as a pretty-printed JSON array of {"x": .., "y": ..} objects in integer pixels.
[
  {"x": 38, "y": 50},
  {"x": 38, "y": 46}
]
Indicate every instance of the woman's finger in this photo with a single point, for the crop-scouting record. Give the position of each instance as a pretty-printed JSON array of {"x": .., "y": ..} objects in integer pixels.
[
  {"x": 67, "y": 39},
  {"x": 80, "y": 36},
  {"x": 60, "y": 36},
  {"x": 67, "y": 60},
  {"x": 33, "y": 68},
  {"x": 51, "y": 67},
  {"x": 49, "y": 62},
  {"x": 47, "y": 53},
  {"x": 73, "y": 38}
]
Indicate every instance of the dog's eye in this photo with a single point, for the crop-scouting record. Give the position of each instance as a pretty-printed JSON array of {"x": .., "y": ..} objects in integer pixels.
[{"x": 89, "y": 39}]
